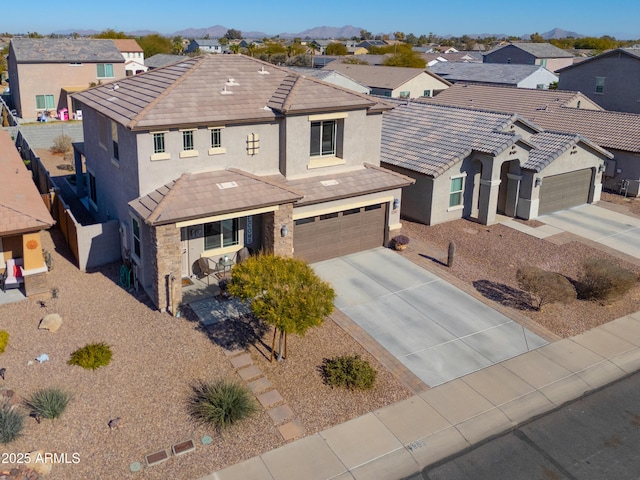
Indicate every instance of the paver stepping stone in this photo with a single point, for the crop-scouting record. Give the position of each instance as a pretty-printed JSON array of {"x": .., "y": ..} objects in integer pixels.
[
  {"x": 250, "y": 372},
  {"x": 183, "y": 447},
  {"x": 260, "y": 385},
  {"x": 269, "y": 398},
  {"x": 157, "y": 457},
  {"x": 241, "y": 360},
  {"x": 291, "y": 430},
  {"x": 232, "y": 352},
  {"x": 278, "y": 414}
]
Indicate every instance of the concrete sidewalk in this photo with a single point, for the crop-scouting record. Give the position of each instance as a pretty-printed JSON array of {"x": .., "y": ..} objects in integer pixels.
[{"x": 400, "y": 440}]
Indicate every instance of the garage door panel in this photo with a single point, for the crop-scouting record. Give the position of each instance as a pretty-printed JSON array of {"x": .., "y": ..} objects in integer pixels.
[
  {"x": 566, "y": 190},
  {"x": 339, "y": 233}
]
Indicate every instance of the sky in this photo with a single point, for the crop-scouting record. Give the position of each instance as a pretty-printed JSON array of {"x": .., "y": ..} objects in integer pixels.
[{"x": 618, "y": 18}]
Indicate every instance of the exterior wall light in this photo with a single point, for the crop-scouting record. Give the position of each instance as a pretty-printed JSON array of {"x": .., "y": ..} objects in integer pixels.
[
  {"x": 538, "y": 181},
  {"x": 284, "y": 231},
  {"x": 396, "y": 203}
]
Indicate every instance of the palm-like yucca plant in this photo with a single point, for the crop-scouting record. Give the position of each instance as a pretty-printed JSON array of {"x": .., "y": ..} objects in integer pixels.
[
  {"x": 48, "y": 402},
  {"x": 11, "y": 423}
]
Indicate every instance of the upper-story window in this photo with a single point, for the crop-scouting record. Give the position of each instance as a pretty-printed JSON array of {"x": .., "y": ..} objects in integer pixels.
[
  {"x": 216, "y": 138},
  {"x": 45, "y": 102},
  {"x": 600, "y": 84},
  {"x": 323, "y": 138},
  {"x": 158, "y": 143},
  {"x": 104, "y": 70},
  {"x": 187, "y": 140}
]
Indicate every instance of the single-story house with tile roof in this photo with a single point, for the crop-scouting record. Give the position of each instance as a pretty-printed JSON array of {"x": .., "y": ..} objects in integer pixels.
[
  {"x": 23, "y": 215},
  {"x": 512, "y": 75},
  {"x": 43, "y": 72},
  {"x": 207, "y": 156},
  {"x": 205, "y": 45},
  {"x": 477, "y": 164},
  {"x": 611, "y": 79},
  {"x": 544, "y": 54},
  {"x": 395, "y": 82},
  {"x": 617, "y": 132}
]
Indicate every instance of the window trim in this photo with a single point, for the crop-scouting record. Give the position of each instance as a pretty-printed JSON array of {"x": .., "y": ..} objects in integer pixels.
[
  {"x": 460, "y": 204},
  {"x": 219, "y": 149},
  {"x": 235, "y": 229},
  {"x": 600, "y": 81},
  {"x": 160, "y": 155},
  {"x": 188, "y": 150}
]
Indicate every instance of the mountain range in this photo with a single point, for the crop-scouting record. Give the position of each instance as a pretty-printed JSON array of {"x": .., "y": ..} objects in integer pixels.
[{"x": 348, "y": 31}]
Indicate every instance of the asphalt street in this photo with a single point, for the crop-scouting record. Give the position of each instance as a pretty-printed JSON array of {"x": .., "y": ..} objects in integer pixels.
[{"x": 592, "y": 438}]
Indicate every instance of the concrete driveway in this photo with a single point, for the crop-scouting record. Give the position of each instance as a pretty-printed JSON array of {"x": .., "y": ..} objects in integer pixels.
[
  {"x": 436, "y": 330},
  {"x": 615, "y": 230}
]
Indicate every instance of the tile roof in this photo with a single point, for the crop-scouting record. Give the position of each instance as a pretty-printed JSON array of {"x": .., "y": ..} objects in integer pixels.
[
  {"x": 127, "y": 45},
  {"x": 504, "y": 73},
  {"x": 546, "y": 108},
  {"x": 212, "y": 89},
  {"x": 431, "y": 140},
  {"x": 21, "y": 208},
  {"x": 352, "y": 183},
  {"x": 162, "y": 60},
  {"x": 65, "y": 50},
  {"x": 538, "y": 50},
  {"x": 206, "y": 194},
  {"x": 380, "y": 76}
]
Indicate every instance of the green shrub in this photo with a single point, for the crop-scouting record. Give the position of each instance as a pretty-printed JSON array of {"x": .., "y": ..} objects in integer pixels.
[
  {"x": 11, "y": 423},
  {"x": 349, "y": 371},
  {"x": 48, "y": 402},
  {"x": 604, "y": 281},
  {"x": 544, "y": 287},
  {"x": 4, "y": 340},
  {"x": 91, "y": 356},
  {"x": 62, "y": 144},
  {"x": 220, "y": 403}
]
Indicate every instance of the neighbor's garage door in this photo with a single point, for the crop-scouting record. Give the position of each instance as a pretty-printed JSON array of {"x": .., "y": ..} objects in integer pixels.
[
  {"x": 339, "y": 233},
  {"x": 564, "y": 191}
]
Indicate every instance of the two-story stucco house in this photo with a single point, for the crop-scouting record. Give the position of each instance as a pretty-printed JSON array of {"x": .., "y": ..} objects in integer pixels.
[
  {"x": 611, "y": 79},
  {"x": 544, "y": 54},
  {"x": 133, "y": 55},
  {"x": 204, "y": 157},
  {"x": 43, "y": 72}
]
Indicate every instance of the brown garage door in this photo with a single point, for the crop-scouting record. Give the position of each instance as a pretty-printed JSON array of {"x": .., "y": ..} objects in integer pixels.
[
  {"x": 339, "y": 233},
  {"x": 564, "y": 191}
]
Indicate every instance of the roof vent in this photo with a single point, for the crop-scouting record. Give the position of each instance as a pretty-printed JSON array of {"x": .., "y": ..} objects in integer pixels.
[
  {"x": 262, "y": 71},
  {"x": 232, "y": 83},
  {"x": 328, "y": 183},
  {"x": 224, "y": 91},
  {"x": 225, "y": 185}
]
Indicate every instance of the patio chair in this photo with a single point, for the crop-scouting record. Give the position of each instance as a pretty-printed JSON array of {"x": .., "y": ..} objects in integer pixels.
[
  {"x": 208, "y": 266},
  {"x": 13, "y": 274}
]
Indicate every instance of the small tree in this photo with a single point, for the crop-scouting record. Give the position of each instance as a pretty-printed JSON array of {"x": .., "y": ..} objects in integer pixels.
[
  {"x": 336, "y": 48},
  {"x": 544, "y": 287},
  {"x": 285, "y": 293}
]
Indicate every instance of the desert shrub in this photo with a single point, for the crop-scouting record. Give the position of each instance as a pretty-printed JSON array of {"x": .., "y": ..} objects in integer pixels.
[
  {"x": 220, "y": 403},
  {"x": 48, "y": 402},
  {"x": 4, "y": 340},
  {"x": 62, "y": 144},
  {"x": 604, "y": 281},
  {"x": 349, "y": 371},
  {"x": 11, "y": 424},
  {"x": 544, "y": 287},
  {"x": 91, "y": 356}
]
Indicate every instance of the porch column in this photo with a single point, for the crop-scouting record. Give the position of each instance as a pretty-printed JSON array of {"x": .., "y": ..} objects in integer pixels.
[
  {"x": 273, "y": 224},
  {"x": 513, "y": 191},
  {"x": 488, "y": 201},
  {"x": 166, "y": 255}
]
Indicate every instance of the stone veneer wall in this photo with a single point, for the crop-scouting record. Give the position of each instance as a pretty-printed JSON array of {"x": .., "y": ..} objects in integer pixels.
[
  {"x": 274, "y": 242},
  {"x": 166, "y": 255}
]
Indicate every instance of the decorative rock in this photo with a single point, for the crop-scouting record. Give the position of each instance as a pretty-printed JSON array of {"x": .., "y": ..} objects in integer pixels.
[
  {"x": 38, "y": 463},
  {"x": 43, "y": 358},
  {"x": 29, "y": 363},
  {"x": 115, "y": 423},
  {"x": 51, "y": 322}
]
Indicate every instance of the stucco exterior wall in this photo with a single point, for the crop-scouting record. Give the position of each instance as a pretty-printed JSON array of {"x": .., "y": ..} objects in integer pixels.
[
  {"x": 624, "y": 166},
  {"x": 541, "y": 77},
  {"x": 621, "y": 86},
  {"x": 510, "y": 54},
  {"x": 417, "y": 86}
]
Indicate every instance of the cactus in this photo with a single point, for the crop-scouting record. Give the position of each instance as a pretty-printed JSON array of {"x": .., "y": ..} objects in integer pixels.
[{"x": 451, "y": 254}]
